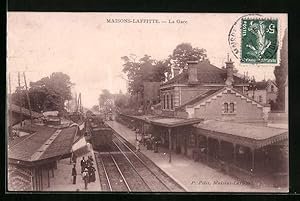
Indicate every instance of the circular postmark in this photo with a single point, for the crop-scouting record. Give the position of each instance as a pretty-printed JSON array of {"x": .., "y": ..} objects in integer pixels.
[{"x": 253, "y": 39}]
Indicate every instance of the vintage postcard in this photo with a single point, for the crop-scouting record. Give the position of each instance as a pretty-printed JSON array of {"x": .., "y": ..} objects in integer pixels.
[{"x": 147, "y": 102}]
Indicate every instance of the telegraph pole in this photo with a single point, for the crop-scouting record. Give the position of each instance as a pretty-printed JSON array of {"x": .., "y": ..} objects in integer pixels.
[
  {"x": 20, "y": 99},
  {"x": 28, "y": 99}
]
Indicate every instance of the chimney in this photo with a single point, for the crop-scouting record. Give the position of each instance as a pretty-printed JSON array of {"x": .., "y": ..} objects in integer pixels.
[
  {"x": 176, "y": 71},
  {"x": 229, "y": 69},
  {"x": 192, "y": 71}
]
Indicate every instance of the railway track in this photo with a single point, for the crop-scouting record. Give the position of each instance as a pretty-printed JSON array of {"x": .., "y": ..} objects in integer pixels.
[
  {"x": 121, "y": 169},
  {"x": 116, "y": 173},
  {"x": 168, "y": 183}
]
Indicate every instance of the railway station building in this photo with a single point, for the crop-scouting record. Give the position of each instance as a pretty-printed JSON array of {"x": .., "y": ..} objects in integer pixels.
[{"x": 206, "y": 114}]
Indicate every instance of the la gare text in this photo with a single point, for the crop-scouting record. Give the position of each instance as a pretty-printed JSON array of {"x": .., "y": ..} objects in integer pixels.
[{"x": 146, "y": 21}]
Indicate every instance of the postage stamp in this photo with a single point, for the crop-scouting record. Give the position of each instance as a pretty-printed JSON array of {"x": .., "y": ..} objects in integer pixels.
[
  {"x": 259, "y": 41},
  {"x": 254, "y": 39}
]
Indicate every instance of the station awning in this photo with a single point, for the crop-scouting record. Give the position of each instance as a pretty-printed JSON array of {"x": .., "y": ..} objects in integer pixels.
[
  {"x": 174, "y": 122},
  {"x": 80, "y": 147},
  {"x": 244, "y": 134},
  {"x": 45, "y": 143},
  {"x": 168, "y": 122}
]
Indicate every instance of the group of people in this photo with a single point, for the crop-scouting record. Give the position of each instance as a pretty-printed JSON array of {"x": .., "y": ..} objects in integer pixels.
[
  {"x": 152, "y": 143},
  {"x": 87, "y": 171}
]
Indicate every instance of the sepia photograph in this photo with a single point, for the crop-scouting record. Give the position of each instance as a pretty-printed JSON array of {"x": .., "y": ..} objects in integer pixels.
[{"x": 147, "y": 102}]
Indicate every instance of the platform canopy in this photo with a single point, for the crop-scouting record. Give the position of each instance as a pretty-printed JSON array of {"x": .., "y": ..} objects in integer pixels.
[
  {"x": 244, "y": 134},
  {"x": 24, "y": 111},
  {"x": 168, "y": 122},
  {"x": 44, "y": 144},
  {"x": 173, "y": 122}
]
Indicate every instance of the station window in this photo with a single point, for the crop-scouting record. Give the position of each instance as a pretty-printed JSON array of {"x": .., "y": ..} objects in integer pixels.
[
  {"x": 172, "y": 106},
  {"x": 164, "y": 97},
  {"x": 272, "y": 88},
  {"x": 168, "y": 105},
  {"x": 260, "y": 99},
  {"x": 231, "y": 108},
  {"x": 225, "y": 107}
]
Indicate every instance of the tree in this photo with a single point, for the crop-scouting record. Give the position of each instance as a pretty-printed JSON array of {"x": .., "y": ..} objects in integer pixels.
[
  {"x": 48, "y": 93},
  {"x": 280, "y": 73},
  {"x": 185, "y": 52},
  {"x": 144, "y": 69},
  {"x": 122, "y": 100},
  {"x": 104, "y": 96},
  {"x": 95, "y": 108}
]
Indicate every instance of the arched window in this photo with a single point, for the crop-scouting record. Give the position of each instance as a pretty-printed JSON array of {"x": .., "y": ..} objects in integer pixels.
[
  {"x": 172, "y": 106},
  {"x": 225, "y": 107},
  {"x": 231, "y": 108},
  {"x": 164, "y": 97}
]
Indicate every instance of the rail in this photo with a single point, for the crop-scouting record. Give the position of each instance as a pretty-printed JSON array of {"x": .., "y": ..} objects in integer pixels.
[
  {"x": 120, "y": 173},
  {"x": 145, "y": 165},
  {"x": 132, "y": 165},
  {"x": 106, "y": 175}
]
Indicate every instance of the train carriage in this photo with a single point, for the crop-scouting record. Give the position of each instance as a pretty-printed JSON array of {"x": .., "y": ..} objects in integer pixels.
[{"x": 101, "y": 136}]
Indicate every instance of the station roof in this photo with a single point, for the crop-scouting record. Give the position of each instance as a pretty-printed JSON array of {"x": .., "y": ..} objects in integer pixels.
[
  {"x": 26, "y": 112},
  {"x": 206, "y": 74},
  {"x": 244, "y": 134},
  {"x": 169, "y": 122},
  {"x": 174, "y": 122},
  {"x": 43, "y": 143}
]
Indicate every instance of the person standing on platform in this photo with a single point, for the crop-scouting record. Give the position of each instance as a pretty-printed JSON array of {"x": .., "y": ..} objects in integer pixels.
[
  {"x": 83, "y": 164},
  {"x": 74, "y": 174},
  {"x": 137, "y": 145},
  {"x": 85, "y": 177},
  {"x": 90, "y": 161},
  {"x": 91, "y": 171}
]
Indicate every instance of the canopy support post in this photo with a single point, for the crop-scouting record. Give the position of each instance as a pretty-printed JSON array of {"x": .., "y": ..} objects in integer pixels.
[
  {"x": 234, "y": 154},
  {"x": 253, "y": 159},
  {"x": 170, "y": 145},
  {"x": 207, "y": 148}
]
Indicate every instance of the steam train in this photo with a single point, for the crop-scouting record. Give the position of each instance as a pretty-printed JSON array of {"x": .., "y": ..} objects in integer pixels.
[{"x": 100, "y": 133}]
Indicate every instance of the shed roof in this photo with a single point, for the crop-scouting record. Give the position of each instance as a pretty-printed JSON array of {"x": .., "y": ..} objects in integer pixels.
[
  {"x": 245, "y": 134},
  {"x": 45, "y": 142},
  {"x": 169, "y": 122},
  {"x": 174, "y": 122},
  {"x": 26, "y": 112}
]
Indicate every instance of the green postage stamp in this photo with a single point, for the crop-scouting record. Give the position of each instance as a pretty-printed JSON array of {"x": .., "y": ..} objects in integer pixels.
[{"x": 259, "y": 41}]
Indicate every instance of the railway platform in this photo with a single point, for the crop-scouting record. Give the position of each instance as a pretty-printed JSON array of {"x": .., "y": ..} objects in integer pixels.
[
  {"x": 63, "y": 179},
  {"x": 192, "y": 176}
]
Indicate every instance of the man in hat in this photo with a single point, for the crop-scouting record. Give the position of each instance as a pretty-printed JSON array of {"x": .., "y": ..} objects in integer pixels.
[
  {"x": 91, "y": 172},
  {"x": 83, "y": 164},
  {"x": 85, "y": 177},
  {"x": 74, "y": 173}
]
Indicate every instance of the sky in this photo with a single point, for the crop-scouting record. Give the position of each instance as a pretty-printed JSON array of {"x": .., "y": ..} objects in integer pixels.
[{"x": 89, "y": 49}]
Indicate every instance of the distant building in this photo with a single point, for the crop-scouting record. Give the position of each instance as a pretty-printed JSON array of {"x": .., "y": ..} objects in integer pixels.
[{"x": 264, "y": 92}]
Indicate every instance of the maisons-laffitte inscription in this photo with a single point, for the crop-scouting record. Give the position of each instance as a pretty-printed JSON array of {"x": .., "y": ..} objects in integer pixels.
[{"x": 145, "y": 21}]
